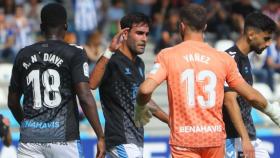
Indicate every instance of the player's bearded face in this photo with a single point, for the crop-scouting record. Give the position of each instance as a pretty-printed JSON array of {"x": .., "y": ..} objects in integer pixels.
[
  {"x": 137, "y": 38},
  {"x": 261, "y": 42},
  {"x": 258, "y": 49}
]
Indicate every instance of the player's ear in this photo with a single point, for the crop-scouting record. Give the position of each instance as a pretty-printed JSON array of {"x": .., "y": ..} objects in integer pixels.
[
  {"x": 125, "y": 34},
  {"x": 182, "y": 26},
  {"x": 250, "y": 34}
]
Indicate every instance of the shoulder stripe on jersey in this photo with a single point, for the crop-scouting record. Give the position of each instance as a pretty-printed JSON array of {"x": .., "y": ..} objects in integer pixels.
[
  {"x": 232, "y": 54},
  {"x": 77, "y": 46}
]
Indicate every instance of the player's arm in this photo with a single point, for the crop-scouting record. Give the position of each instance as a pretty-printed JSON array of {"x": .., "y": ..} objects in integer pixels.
[
  {"x": 233, "y": 109},
  {"x": 15, "y": 92},
  {"x": 250, "y": 94},
  {"x": 14, "y": 105},
  {"x": 88, "y": 105},
  {"x": 80, "y": 78},
  {"x": 157, "y": 75},
  {"x": 142, "y": 112},
  {"x": 100, "y": 67},
  {"x": 158, "y": 112},
  {"x": 145, "y": 91},
  {"x": 256, "y": 99},
  {"x": 99, "y": 70},
  {"x": 7, "y": 139},
  {"x": 259, "y": 102}
]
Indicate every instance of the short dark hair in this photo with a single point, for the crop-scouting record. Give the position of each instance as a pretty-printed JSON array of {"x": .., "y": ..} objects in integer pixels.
[
  {"x": 259, "y": 21},
  {"x": 53, "y": 15},
  {"x": 134, "y": 18},
  {"x": 194, "y": 15}
]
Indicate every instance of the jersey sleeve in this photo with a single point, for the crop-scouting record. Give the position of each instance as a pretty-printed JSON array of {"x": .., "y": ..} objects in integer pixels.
[
  {"x": 15, "y": 81},
  {"x": 159, "y": 70},
  {"x": 79, "y": 67},
  {"x": 233, "y": 77}
]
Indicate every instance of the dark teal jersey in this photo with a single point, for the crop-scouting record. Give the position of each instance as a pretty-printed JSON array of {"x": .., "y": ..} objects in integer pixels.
[
  {"x": 118, "y": 92},
  {"x": 244, "y": 67},
  {"x": 45, "y": 74}
]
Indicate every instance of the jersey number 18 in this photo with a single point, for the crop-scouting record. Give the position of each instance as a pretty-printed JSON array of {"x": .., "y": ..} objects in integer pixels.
[{"x": 51, "y": 82}]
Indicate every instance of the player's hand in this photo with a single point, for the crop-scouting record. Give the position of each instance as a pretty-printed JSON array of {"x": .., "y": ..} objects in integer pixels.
[
  {"x": 273, "y": 111},
  {"x": 117, "y": 40},
  {"x": 248, "y": 149},
  {"x": 101, "y": 149},
  {"x": 142, "y": 115}
]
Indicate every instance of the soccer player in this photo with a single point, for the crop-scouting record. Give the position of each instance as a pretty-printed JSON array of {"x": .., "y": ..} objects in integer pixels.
[
  {"x": 49, "y": 74},
  {"x": 257, "y": 36},
  {"x": 5, "y": 133},
  {"x": 118, "y": 76},
  {"x": 195, "y": 74}
]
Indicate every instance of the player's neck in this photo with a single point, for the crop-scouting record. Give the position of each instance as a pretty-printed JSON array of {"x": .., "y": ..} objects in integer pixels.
[
  {"x": 53, "y": 37},
  {"x": 194, "y": 36},
  {"x": 243, "y": 46},
  {"x": 126, "y": 51}
]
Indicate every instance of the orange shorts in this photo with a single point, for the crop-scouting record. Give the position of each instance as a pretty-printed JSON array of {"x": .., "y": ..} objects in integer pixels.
[{"x": 208, "y": 152}]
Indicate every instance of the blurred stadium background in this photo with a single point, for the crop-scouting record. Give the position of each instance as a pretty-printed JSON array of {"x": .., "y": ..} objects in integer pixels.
[{"x": 92, "y": 23}]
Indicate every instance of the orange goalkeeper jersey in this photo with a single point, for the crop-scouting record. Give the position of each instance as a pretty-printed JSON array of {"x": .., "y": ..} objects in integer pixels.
[{"x": 195, "y": 74}]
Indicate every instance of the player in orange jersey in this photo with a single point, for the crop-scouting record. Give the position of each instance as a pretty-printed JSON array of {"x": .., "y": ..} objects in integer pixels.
[{"x": 195, "y": 74}]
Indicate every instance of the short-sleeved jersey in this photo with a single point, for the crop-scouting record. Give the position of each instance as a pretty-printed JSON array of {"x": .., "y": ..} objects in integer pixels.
[
  {"x": 45, "y": 74},
  {"x": 244, "y": 67},
  {"x": 195, "y": 75},
  {"x": 118, "y": 91}
]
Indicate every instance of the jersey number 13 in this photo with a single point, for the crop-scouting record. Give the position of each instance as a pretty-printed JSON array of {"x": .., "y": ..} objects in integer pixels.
[{"x": 193, "y": 80}]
